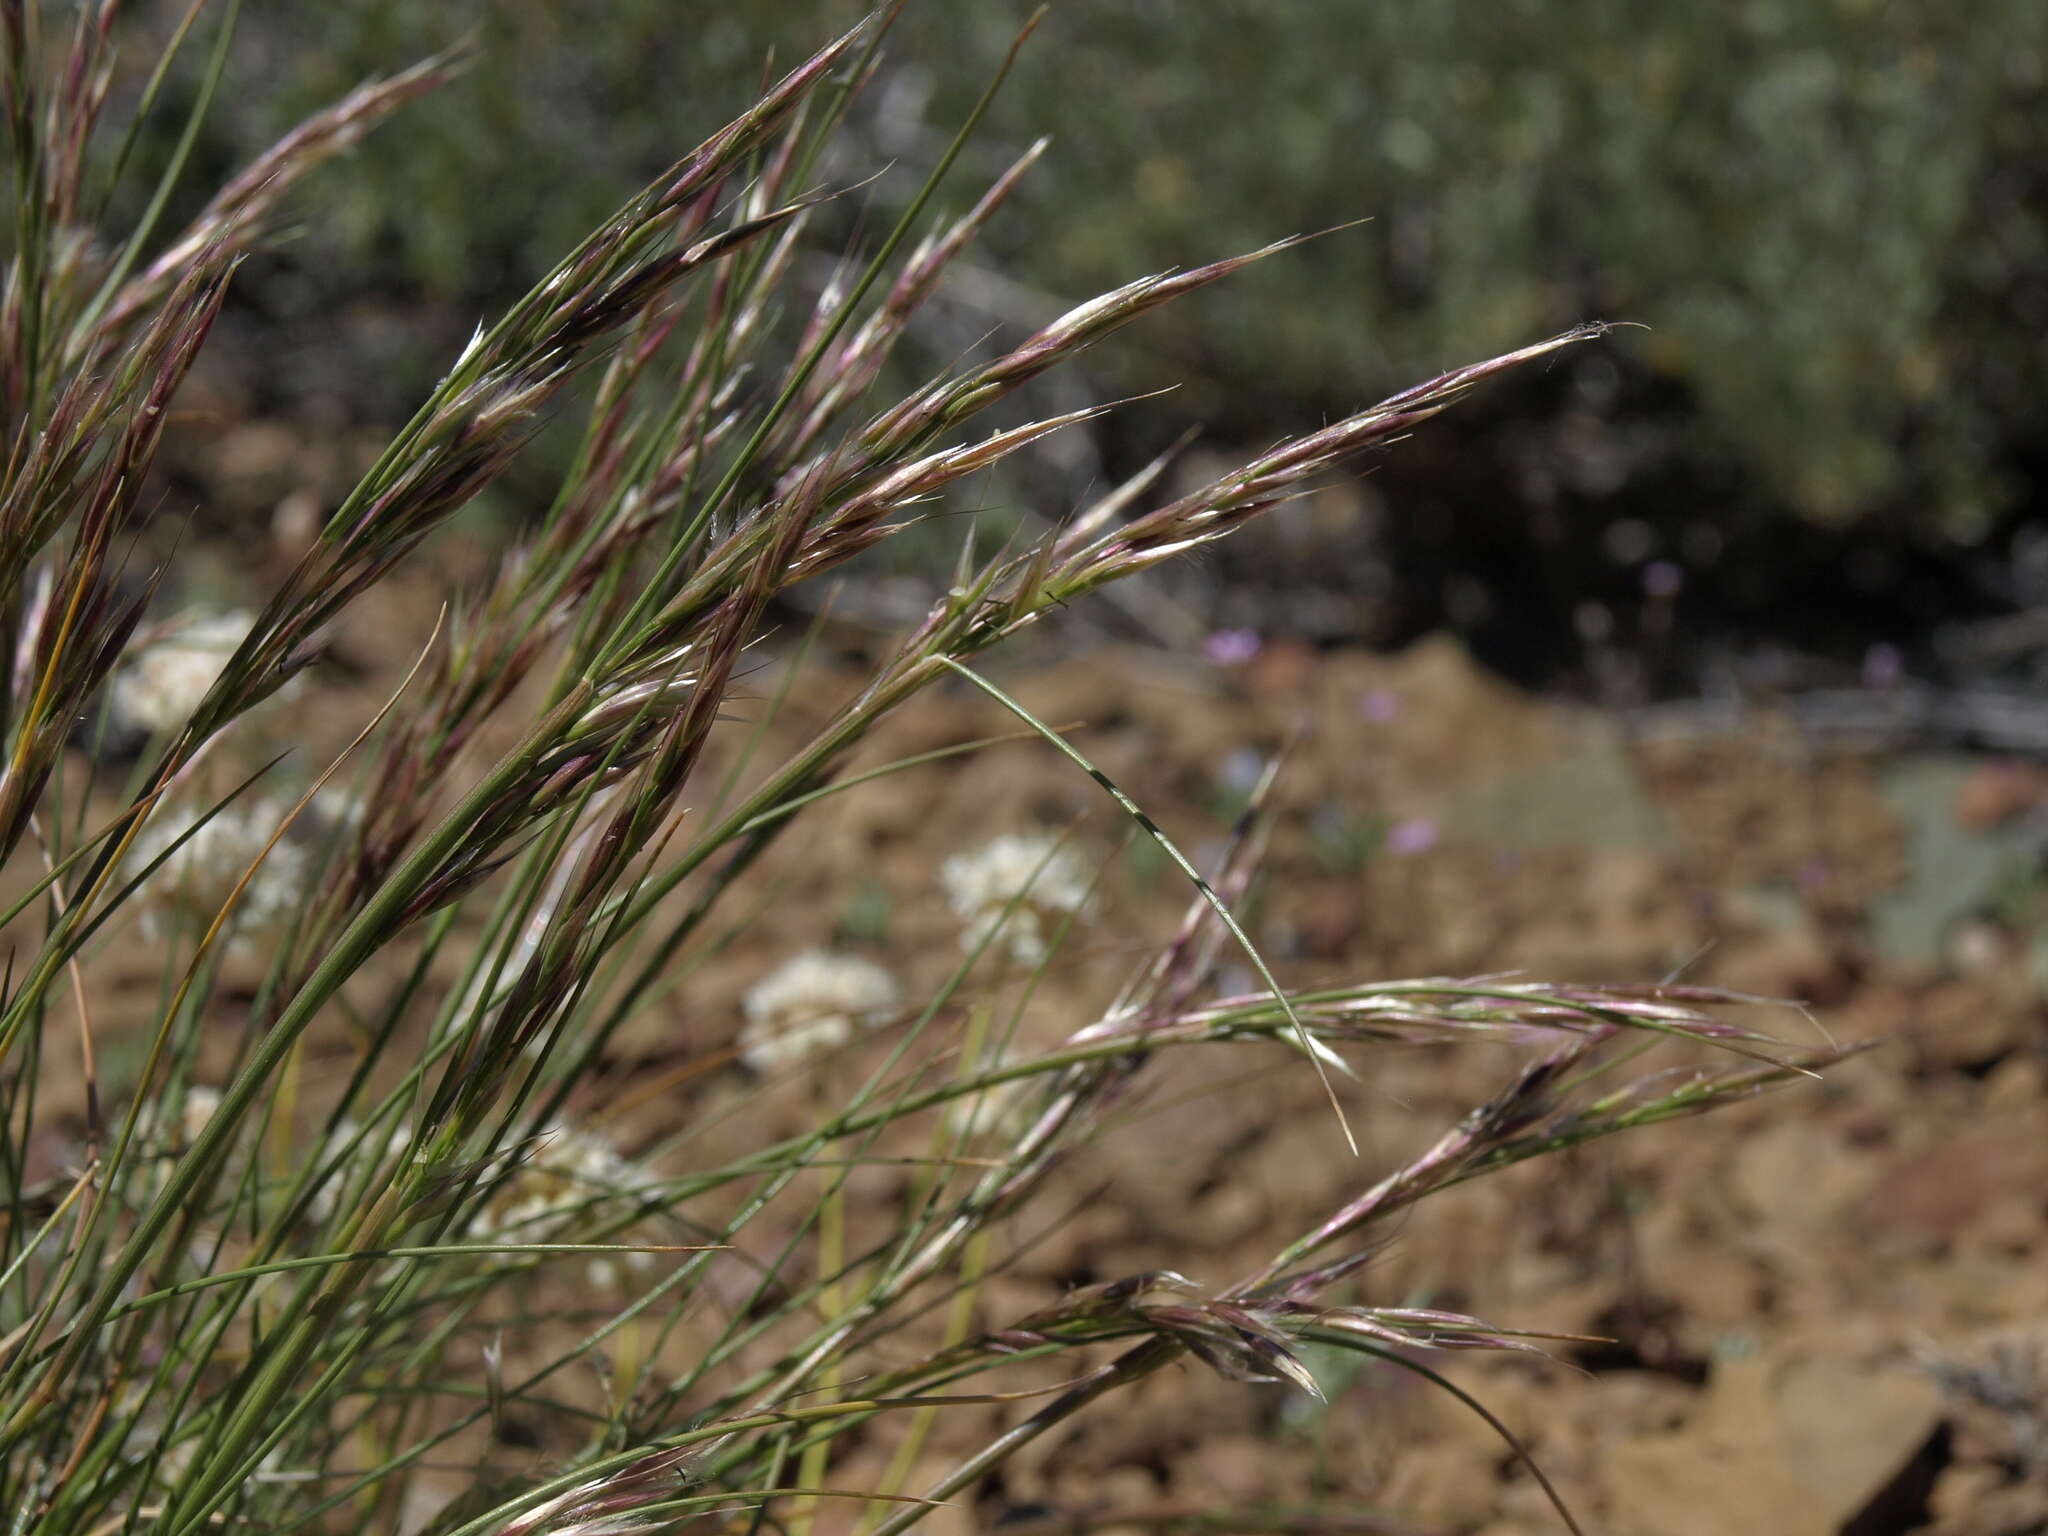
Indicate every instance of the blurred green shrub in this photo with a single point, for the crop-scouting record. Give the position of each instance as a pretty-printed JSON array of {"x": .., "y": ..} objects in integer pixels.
[{"x": 1830, "y": 212}]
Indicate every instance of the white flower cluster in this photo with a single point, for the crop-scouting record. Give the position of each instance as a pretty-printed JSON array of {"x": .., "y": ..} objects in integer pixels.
[
  {"x": 164, "y": 1140},
  {"x": 1045, "y": 879},
  {"x": 194, "y": 1115},
  {"x": 566, "y": 1187},
  {"x": 573, "y": 1181},
  {"x": 813, "y": 1002},
  {"x": 397, "y": 1138},
  {"x": 1003, "y": 1112},
  {"x": 199, "y": 876},
  {"x": 169, "y": 670},
  {"x": 161, "y": 1139}
]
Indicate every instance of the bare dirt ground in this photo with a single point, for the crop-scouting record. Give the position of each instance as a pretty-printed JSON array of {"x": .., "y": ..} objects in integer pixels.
[
  {"x": 1825, "y": 1308},
  {"x": 1824, "y": 1311}
]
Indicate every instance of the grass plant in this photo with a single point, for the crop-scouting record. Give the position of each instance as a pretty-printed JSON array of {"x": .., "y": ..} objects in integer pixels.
[{"x": 246, "y": 1288}]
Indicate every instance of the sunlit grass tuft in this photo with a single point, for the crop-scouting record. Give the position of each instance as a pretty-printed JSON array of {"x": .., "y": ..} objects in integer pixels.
[{"x": 354, "y": 1211}]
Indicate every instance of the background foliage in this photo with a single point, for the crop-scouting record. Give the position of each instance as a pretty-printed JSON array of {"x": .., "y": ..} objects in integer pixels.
[{"x": 1828, "y": 211}]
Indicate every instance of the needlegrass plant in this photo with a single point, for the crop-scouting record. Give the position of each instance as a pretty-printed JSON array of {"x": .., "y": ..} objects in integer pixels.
[{"x": 347, "y": 1215}]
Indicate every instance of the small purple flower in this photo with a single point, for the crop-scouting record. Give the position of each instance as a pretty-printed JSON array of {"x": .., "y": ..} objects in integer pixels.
[
  {"x": 1418, "y": 834},
  {"x": 1380, "y": 705},
  {"x": 1883, "y": 666},
  {"x": 1663, "y": 579},
  {"x": 1241, "y": 771},
  {"x": 1227, "y": 647}
]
